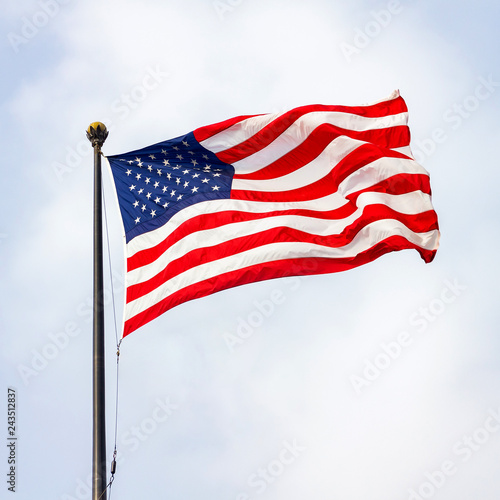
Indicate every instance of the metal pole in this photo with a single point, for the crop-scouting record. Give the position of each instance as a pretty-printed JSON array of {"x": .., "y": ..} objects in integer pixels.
[{"x": 97, "y": 133}]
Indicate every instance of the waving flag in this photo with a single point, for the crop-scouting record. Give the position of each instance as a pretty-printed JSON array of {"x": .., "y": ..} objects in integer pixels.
[{"x": 317, "y": 189}]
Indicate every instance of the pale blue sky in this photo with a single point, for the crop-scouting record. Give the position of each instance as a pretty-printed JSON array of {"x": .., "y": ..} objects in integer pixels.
[{"x": 298, "y": 408}]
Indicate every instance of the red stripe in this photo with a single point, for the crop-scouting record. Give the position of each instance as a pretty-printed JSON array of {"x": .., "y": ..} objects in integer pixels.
[
  {"x": 318, "y": 140},
  {"x": 395, "y": 137},
  {"x": 398, "y": 184},
  {"x": 385, "y": 108},
  {"x": 218, "y": 219},
  {"x": 329, "y": 184},
  {"x": 270, "y": 270},
  {"x": 419, "y": 223},
  {"x": 202, "y": 133}
]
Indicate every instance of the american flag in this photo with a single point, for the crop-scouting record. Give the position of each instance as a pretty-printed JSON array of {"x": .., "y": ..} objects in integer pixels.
[{"x": 317, "y": 189}]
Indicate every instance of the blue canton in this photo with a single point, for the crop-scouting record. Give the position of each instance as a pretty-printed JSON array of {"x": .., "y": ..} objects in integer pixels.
[{"x": 156, "y": 182}]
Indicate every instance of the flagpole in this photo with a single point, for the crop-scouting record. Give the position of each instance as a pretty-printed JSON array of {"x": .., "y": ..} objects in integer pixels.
[{"x": 96, "y": 134}]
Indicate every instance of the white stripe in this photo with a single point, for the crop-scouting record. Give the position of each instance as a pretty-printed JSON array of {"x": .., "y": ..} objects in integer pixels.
[
  {"x": 321, "y": 166},
  {"x": 238, "y": 133},
  {"x": 303, "y": 127},
  {"x": 311, "y": 172},
  {"x": 365, "y": 239},
  {"x": 241, "y": 131},
  {"x": 153, "y": 238},
  {"x": 363, "y": 178},
  {"x": 378, "y": 171},
  {"x": 405, "y": 150},
  {"x": 294, "y": 135},
  {"x": 410, "y": 203}
]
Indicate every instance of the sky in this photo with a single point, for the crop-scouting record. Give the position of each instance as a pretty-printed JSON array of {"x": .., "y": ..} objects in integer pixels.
[{"x": 378, "y": 383}]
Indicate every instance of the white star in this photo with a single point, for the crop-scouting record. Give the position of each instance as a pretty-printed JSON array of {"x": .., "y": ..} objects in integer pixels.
[
  {"x": 140, "y": 191},
  {"x": 143, "y": 207},
  {"x": 128, "y": 172},
  {"x": 153, "y": 213},
  {"x": 140, "y": 164},
  {"x": 180, "y": 157},
  {"x": 185, "y": 143},
  {"x": 148, "y": 180},
  {"x": 165, "y": 205},
  {"x": 137, "y": 159},
  {"x": 205, "y": 157},
  {"x": 216, "y": 175},
  {"x": 177, "y": 181},
  {"x": 130, "y": 162},
  {"x": 136, "y": 203},
  {"x": 132, "y": 187},
  {"x": 137, "y": 220},
  {"x": 177, "y": 167},
  {"x": 164, "y": 151},
  {"x": 191, "y": 152},
  {"x": 157, "y": 200},
  {"x": 156, "y": 184},
  {"x": 185, "y": 172},
  {"x": 173, "y": 192},
  {"x": 169, "y": 176},
  {"x": 204, "y": 180},
  {"x": 148, "y": 196},
  {"x": 159, "y": 171},
  {"x": 194, "y": 162},
  {"x": 166, "y": 162},
  {"x": 165, "y": 188},
  {"x": 196, "y": 175},
  {"x": 138, "y": 176},
  {"x": 195, "y": 189},
  {"x": 150, "y": 168},
  {"x": 153, "y": 157},
  {"x": 215, "y": 188},
  {"x": 179, "y": 197},
  {"x": 186, "y": 184},
  {"x": 207, "y": 166},
  {"x": 176, "y": 148}
]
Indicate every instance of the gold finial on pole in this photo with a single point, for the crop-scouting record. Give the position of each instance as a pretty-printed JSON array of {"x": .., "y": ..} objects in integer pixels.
[{"x": 97, "y": 133}]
